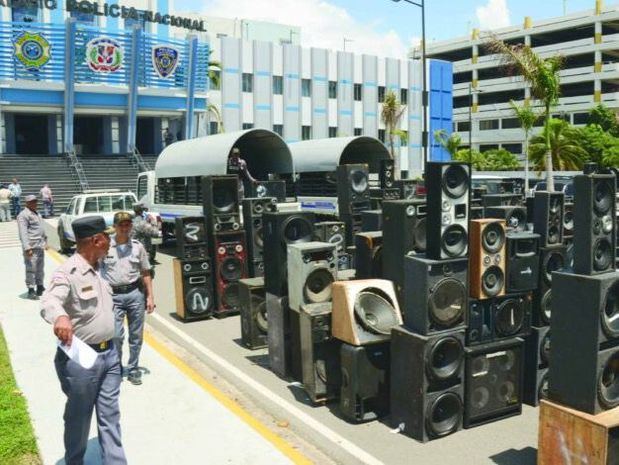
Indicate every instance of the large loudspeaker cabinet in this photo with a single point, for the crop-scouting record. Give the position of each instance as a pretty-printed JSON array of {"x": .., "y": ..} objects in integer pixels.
[
  {"x": 551, "y": 259},
  {"x": 221, "y": 203},
  {"x": 191, "y": 237},
  {"x": 537, "y": 357},
  {"x": 230, "y": 265},
  {"x": 548, "y": 217},
  {"x": 372, "y": 220},
  {"x": 254, "y": 323},
  {"x": 427, "y": 383},
  {"x": 435, "y": 294},
  {"x": 514, "y": 217},
  {"x": 364, "y": 395},
  {"x": 499, "y": 318},
  {"x": 584, "y": 362},
  {"x": 522, "y": 262},
  {"x": 279, "y": 334},
  {"x": 193, "y": 285},
  {"x": 281, "y": 229},
  {"x": 493, "y": 387},
  {"x": 595, "y": 236},
  {"x": 369, "y": 255},
  {"x": 387, "y": 173},
  {"x": 252, "y": 222},
  {"x": 320, "y": 353},
  {"x": 448, "y": 190},
  {"x": 269, "y": 189},
  {"x": 353, "y": 188},
  {"x": 487, "y": 258}
]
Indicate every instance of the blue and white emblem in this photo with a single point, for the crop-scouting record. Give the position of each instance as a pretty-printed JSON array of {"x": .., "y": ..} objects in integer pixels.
[{"x": 165, "y": 60}]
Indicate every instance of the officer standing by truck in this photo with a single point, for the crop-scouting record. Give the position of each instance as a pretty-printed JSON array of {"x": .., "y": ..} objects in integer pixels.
[{"x": 34, "y": 242}]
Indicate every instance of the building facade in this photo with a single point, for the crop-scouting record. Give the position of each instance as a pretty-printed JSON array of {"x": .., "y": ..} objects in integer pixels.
[{"x": 589, "y": 41}]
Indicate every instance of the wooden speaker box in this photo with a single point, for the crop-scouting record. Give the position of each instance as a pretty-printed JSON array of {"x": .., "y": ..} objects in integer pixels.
[{"x": 487, "y": 258}]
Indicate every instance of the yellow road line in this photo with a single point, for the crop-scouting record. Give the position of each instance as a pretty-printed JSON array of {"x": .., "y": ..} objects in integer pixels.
[{"x": 267, "y": 433}]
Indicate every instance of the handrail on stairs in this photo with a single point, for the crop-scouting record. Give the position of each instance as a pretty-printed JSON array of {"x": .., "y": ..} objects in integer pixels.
[{"x": 77, "y": 169}]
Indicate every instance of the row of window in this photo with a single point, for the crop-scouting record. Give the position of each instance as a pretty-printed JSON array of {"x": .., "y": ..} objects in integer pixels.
[
  {"x": 306, "y": 131},
  {"x": 513, "y": 123}
]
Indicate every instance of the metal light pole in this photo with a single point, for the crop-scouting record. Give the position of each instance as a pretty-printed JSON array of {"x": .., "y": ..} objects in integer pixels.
[{"x": 471, "y": 92}]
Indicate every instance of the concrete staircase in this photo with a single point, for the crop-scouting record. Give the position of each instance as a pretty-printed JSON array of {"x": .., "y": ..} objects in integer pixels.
[{"x": 111, "y": 171}]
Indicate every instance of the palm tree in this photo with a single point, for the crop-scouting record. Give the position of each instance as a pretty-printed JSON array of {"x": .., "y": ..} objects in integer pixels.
[
  {"x": 450, "y": 142},
  {"x": 565, "y": 153},
  {"x": 212, "y": 109},
  {"x": 391, "y": 114},
  {"x": 214, "y": 72},
  {"x": 527, "y": 118},
  {"x": 542, "y": 75}
]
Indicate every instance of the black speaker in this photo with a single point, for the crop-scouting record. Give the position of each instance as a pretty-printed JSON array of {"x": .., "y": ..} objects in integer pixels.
[
  {"x": 568, "y": 221},
  {"x": 353, "y": 188},
  {"x": 252, "y": 221},
  {"x": 476, "y": 213},
  {"x": 269, "y": 189},
  {"x": 500, "y": 318},
  {"x": 333, "y": 232},
  {"x": 193, "y": 285},
  {"x": 320, "y": 353},
  {"x": 493, "y": 387},
  {"x": 369, "y": 255},
  {"x": 364, "y": 394},
  {"x": 279, "y": 334},
  {"x": 372, "y": 220},
  {"x": 522, "y": 267},
  {"x": 448, "y": 189},
  {"x": 427, "y": 383},
  {"x": 594, "y": 218},
  {"x": 584, "y": 362},
  {"x": 551, "y": 259},
  {"x": 435, "y": 294},
  {"x": 548, "y": 217},
  {"x": 407, "y": 188},
  {"x": 387, "y": 173},
  {"x": 191, "y": 237},
  {"x": 353, "y": 226},
  {"x": 254, "y": 323},
  {"x": 221, "y": 203},
  {"x": 281, "y": 229},
  {"x": 501, "y": 200},
  {"x": 390, "y": 194},
  {"x": 515, "y": 217},
  {"x": 537, "y": 357},
  {"x": 230, "y": 265}
]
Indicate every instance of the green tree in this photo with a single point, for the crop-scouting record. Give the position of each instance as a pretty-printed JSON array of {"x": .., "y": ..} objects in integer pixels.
[
  {"x": 527, "y": 118},
  {"x": 391, "y": 114},
  {"x": 214, "y": 72},
  {"x": 565, "y": 153},
  {"x": 611, "y": 157},
  {"x": 450, "y": 142},
  {"x": 604, "y": 117},
  {"x": 542, "y": 75},
  {"x": 470, "y": 156},
  {"x": 593, "y": 140},
  {"x": 490, "y": 160}
]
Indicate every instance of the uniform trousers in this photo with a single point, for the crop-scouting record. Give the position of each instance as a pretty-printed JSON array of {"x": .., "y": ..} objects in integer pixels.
[
  {"x": 35, "y": 267},
  {"x": 131, "y": 305},
  {"x": 86, "y": 389},
  {"x": 5, "y": 212},
  {"x": 15, "y": 206}
]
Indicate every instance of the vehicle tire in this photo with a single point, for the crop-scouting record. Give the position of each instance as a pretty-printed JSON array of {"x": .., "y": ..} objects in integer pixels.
[{"x": 65, "y": 244}]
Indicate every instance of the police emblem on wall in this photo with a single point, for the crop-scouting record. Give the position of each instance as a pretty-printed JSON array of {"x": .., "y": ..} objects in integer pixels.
[
  {"x": 32, "y": 50},
  {"x": 104, "y": 55},
  {"x": 165, "y": 60}
]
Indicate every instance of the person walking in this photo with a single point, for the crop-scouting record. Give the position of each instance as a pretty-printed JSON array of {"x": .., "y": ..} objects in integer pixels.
[
  {"x": 168, "y": 137},
  {"x": 127, "y": 269},
  {"x": 48, "y": 201},
  {"x": 34, "y": 242},
  {"x": 5, "y": 203},
  {"x": 238, "y": 166},
  {"x": 144, "y": 231},
  {"x": 79, "y": 304},
  {"x": 16, "y": 192}
]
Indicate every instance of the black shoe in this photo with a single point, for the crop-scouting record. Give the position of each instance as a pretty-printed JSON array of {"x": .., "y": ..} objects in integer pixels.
[
  {"x": 40, "y": 290},
  {"x": 32, "y": 295},
  {"x": 135, "y": 377}
]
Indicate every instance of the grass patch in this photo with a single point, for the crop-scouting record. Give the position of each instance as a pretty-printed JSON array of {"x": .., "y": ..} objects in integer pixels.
[{"x": 17, "y": 443}]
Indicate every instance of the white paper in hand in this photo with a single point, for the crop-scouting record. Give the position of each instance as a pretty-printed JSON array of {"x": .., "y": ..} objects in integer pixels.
[{"x": 80, "y": 352}]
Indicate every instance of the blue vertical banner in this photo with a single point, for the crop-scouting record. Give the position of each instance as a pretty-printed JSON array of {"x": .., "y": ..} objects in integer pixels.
[
  {"x": 191, "y": 85},
  {"x": 69, "y": 83},
  {"x": 440, "y": 106},
  {"x": 132, "y": 112}
]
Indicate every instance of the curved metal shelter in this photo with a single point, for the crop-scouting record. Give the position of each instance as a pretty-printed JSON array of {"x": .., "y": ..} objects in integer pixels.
[
  {"x": 264, "y": 151},
  {"x": 320, "y": 155}
]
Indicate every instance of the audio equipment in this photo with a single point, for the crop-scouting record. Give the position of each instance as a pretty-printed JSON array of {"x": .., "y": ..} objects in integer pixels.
[
  {"x": 568, "y": 221},
  {"x": 269, "y": 189},
  {"x": 281, "y": 229},
  {"x": 312, "y": 269},
  {"x": 364, "y": 311},
  {"x": 193, "y": 288},
  {"x": 501, "y": 200},
  {"x": 548, "y": 217},
  {"x": 522, "y": 269},
  {"x": 537, "y": 357},
  {"x": 493, "y": 386},
  {"x": 387, "y": 173},
  {"x": 476, "y": 213},
  {"x": 353, "y": 188},
  {"x": 278, "y": 334},
  {"x": 369, "y": 255},
  {"x": 252, "y": 221},
  {"x": 426, "y": 383},
  {"x": 364, "y": 395},
  {"x": 584, "y": 362},
  {"x": 221, "y": 203},
  {"x": 191, "y": 237},
  {"x": 320, "y": 353},
  {"x": 254, "y": 324},
  {"x": 514, "y": 217},
  {"x": 390, "y": 194},
  {"x": 294, "y": 362},
  {"x": 344, "y": 262},
  {"x": 435, "y": 294},
  {"x": 372, "y": 220},
  {"x": 353, "y": 226},
  {"x": 333, "y": 232},
  {"x": 595, "y": 236},
  {"x": 448, "y": 188},
  {"x": 551, "y": 259},
  {"x": 487, "y": 258},
  {"x": 407, "y": 188},
  {"x": 499, "y": 318},
  {"x": 230, "y": 264}
]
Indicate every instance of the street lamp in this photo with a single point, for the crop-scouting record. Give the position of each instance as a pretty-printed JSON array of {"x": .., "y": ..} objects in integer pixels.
[{"x": 471, "y": 92}]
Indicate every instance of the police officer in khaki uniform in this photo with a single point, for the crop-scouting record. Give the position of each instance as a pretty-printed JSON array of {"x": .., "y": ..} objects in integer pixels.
[
  {"x": 79, "y": 302},
  {"x": 34, "y": 242},
  {"x": 127, "y": 270}
]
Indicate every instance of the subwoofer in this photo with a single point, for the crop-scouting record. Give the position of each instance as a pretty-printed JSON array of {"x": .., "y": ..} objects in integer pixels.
[
  {"x": 493, "y": 387},
  {"x": 312, "y": 270},
  {"x": 487, "y": 258},
  {"x": 230, "y": 264},
  {"x": 282, "y": 229},
  {"x": 372, "y": 220},
  {"x": 353, "y": 188},
  {"x": 333, "y": 232},
  {"x": 254, "y": 322},
  {"x": 369, "y": 255},
  {"x": 499, "y": 318},
  {"x": 514, "y": 217},
  {"x": 595, "y": 236},
  {"x": 584, "y": 362},
  {"x": 193, "y": 285},
  {"x": 427, "y": 383},
  {"x": 386, "y": 174},
  {"x": 522, "y": 262},
  {"x": 364, "y": 311},
  {"x": 221, "y": 203},
  {"x": 551, "y": 259},
  {"x": 548, "y": 217},
  {"x": 537, "y": 357},
  {"x": 448, "y": 189},
  {"x": 269, "y": 189},
  {"x": 435, "y": 294},
  {"x": 191, "y": 237}
]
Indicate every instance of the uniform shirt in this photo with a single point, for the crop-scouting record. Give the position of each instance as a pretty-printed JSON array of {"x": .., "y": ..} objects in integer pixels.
[
  {"x": 46, "y": 193},
  {"x": 15, "y": 189},
  {"x": 124, "y": 263},
  {"x": 143, "y": 230},
  {"x": 5, "y": 195},
  {"x": 78, "y": 291},
  {"x": 31, "y": 230}
]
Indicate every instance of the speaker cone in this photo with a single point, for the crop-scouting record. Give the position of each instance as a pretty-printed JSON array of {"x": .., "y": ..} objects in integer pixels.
[
  {"x": 602, "y": 255},
  {"x": 505, "y": 392},
  {"x": 603, "y": 197},
  {"x": 544, "y": 352},
  {"x": 493, "y": 238},
  {"x": 444, "y": 414},
  {"x": 568, "y": 221},
  {"x": 517, "y": 220},
  {"x": 318, "y": 286},
  {"x": 509, "y": 317},
  {"x": 419, "y": 234},
  {"x": 223, "y": 199},
  {"x": 230, "y": 295},
  {"x": 553, "y": 234},
  {"x": 608, "y": 384},
  {"x": 231, "y": 269},
  {"x": 261, "y": 313},
  {"x": 455, "y": 181},
  {"x": 375, "y": 312},
  {"x": 297, "y": 229},
  {"x": 492, "y": 281},
  {"x": 445, "y": 358},
  {"x": 505, "y": 361},
  {"x": 546, "y": 306},
  {"x": 454, "y": 240},
  {"x": 610, "y": 315},
  {"x": 480, "y": 398},
  {"x": 258, "y": 236},
  {"x": 447, "y": 302},
  {"x": 554, "y": 261},
  {"x": 358, "y": 181}
]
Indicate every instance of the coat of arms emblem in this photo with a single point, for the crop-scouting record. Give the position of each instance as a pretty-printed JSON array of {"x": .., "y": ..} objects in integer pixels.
[
  {"x": 32, "y": 50},
  {"x": 165, "y": 60},
  {"x": 104, "y": 55}
]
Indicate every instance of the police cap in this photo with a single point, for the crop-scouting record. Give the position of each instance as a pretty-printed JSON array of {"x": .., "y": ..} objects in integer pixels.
[{"x": 89, "y": 226}]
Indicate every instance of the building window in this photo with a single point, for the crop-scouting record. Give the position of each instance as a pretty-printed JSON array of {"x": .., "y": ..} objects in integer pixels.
[
  {"x": 306, "y": 88},
  {"x": 357, "y": 92},
  {"x": 332, "y": 131},
  {"x": 220, "y": 35},
  {"x": 332, "y": 89},
  {"x": 278, "y": 129},
  {"x": 463, "y": 126},
  {"x": 278, "y": 85},
  {"x": 485, "y": 148},
  {"x": 306, "y": 132},
  {"x": 358, "y": 131},
  {"x": 404, "y": 96},
  {"x": 25, "y": 12},
  {"x": 248, "y": 82},
  {"x": 581, "y": 118},
  {"x": 510, "y": 123},
  {"x": 516, "y": 149},
  {"x": 488, "y": 124},
  {"x": 248, "y": 125},
  {"x": 381, "y": 135},
  {"x": 381, "y": 94}
]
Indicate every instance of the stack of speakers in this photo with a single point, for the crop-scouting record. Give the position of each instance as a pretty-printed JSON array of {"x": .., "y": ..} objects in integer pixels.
[
  {"x": 353, "y": 196},
  {"x": 253, "y": 208}
]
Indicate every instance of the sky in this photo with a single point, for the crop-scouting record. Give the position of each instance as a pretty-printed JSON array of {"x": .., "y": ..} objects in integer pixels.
[{"x": 385, "y": 27}]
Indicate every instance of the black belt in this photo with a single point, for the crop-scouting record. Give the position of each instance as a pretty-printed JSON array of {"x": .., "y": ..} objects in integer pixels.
[
  {"x": 126, "y": 288},
  {"x": 102, "y": 346}
]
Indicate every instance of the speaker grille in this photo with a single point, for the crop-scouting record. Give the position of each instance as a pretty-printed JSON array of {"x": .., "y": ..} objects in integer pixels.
[
  {"x": 447, "y": 302},
  {"x": 375, "y": 312},
  {"x": 509, "y": 317},
  {"x": 317, "y": 287},
  {"x": 455, "y": 181},
  {"x": 455, "y": 240},
  {"x": 608, "y": 382},
  {"x": 444, "y": 414},
  {"x": 445, "y": 358},
  {"x": 297, "y": 229},
  {"x": 610, "y": 315}
]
